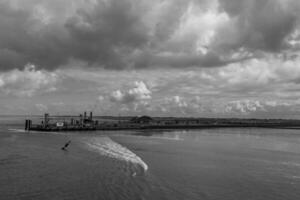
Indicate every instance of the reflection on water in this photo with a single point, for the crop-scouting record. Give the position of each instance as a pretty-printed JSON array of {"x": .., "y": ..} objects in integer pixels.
[
  {"x": 169, "y": 135},
  {"x": 268, "y": 139}
]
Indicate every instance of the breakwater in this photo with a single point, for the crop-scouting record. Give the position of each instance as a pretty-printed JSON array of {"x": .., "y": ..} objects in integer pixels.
[{"x": 85, "y": 122}]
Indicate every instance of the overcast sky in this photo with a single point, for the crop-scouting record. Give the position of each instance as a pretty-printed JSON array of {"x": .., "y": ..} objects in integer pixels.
[{"x": 206, "y": 58}]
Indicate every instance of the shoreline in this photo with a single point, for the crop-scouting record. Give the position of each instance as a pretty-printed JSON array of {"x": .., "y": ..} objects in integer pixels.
[
  {"x": 78, "y": 129},
  {"x": 90, "y": 123}
]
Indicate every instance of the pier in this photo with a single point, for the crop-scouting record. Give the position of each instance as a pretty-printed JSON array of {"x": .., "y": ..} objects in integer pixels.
[{"x": 84, "y": 122}]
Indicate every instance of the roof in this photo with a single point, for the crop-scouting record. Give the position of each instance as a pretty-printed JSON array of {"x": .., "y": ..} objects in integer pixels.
[{"x": 142, "y": 119}]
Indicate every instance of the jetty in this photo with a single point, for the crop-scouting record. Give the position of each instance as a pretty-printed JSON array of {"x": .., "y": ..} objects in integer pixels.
[{"x": 84, "y": 122}]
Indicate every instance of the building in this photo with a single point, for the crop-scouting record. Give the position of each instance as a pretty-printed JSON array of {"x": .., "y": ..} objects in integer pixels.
[{"x": 142, "y": 120}]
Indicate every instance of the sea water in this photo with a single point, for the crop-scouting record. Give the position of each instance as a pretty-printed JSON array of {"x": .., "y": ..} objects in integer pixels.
[{"x": 241, "y": 164}]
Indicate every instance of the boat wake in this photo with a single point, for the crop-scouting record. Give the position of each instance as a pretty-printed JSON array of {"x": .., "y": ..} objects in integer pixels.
[
  {"x": 291, "y": 164},
  {"x": 16, "y": 130},
  {"x": 107, "y": 147}
]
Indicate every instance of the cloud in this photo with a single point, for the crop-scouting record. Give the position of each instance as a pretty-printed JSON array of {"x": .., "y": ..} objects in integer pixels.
[
  {"x": 260, "y": 108},
  {"x": 41, "y": 107},
  {"x": 174, "y": 91},
  {"x": 244, "y": 106},
  {"x": 94, "y": 32},
  {"x": 115, "y": 34},
  {"x": 260, "y": 25},
  {"x": 27, "y": 82},
  {"x": 255, "y": 89},
  {"x": 177, "y": 101},
  {"x": 139, "y": 93},
  {"x": 104, "y": 34},
  {"x": 191, "y": 57}
]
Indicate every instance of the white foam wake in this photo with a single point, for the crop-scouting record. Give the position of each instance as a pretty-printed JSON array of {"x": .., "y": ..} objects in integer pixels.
[
  {"x": 16, "y": 130},
  {"x": 107, "y": 147},
  {"x": 289, "y": 163}
]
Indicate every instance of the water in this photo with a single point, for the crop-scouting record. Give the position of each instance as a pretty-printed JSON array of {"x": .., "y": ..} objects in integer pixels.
[{"x": 198, "y": 164}]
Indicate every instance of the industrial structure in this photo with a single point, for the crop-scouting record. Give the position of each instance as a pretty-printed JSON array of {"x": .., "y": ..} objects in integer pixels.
[{"x": 81, "y": 122}]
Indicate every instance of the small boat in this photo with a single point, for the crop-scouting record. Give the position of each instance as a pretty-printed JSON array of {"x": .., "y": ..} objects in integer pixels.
[{"x": 66, "y": 145}]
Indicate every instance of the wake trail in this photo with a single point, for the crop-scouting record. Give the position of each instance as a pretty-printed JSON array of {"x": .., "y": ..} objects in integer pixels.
[
  {"x": 16, "y": 130},
  {"x": 107, "y": 147}
]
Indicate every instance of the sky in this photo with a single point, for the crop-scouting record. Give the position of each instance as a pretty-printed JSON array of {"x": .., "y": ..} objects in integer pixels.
[{"x": 191, "y": 58}]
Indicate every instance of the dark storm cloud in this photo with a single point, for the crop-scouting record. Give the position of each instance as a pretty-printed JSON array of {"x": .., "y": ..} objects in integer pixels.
[
  {"x": 19, "y": 44},
  {"x": 179, "y": 61},
  {"x": 107, "y": 32},
  {"x": 12, "y": 26},
  {"x": 262, "y": 24},
  {"x": 169, "y": 20},
  {"x": 101, "y": 35},
  {"x": 130, "y": 33}
]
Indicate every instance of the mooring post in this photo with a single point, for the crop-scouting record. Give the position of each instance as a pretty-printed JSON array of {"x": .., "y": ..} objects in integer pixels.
[
  {"x": 29, "y": 124},
  {"x": 80, "y": 119},
  {"x": 46, "y": 120},
  {"x": 26, "y": 124}
]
